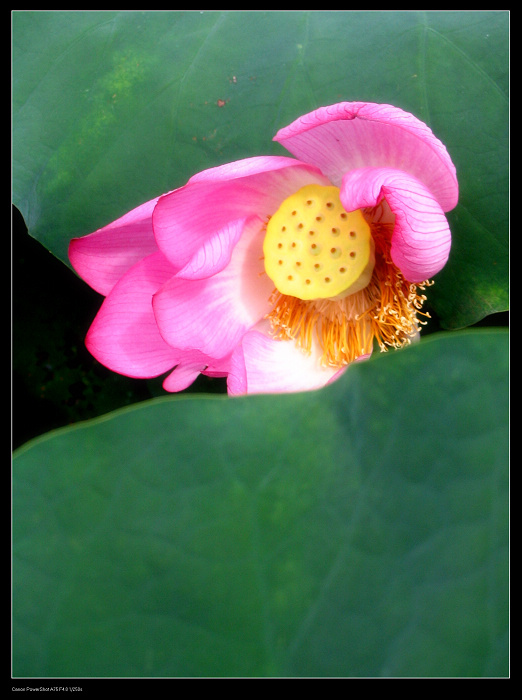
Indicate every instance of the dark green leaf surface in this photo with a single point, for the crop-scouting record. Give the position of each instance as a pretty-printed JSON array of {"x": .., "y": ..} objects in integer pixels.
[
  {"x": 114, "y": 108},
  {"x": 360, "y": 530}
]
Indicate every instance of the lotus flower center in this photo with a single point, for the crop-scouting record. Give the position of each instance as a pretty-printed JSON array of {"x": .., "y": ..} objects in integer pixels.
[{"x": 315, "y": 249}]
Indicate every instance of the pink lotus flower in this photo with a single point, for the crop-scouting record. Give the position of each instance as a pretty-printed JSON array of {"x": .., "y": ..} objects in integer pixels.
[{"x": 278, "y": 272}]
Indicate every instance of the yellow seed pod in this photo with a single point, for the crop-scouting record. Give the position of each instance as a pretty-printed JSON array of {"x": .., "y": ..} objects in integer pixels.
[{"x": 314, "y": 249}]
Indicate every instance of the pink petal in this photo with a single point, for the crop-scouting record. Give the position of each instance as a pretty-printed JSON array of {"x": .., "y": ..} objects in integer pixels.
[
  {"x": 183, "y": 376},
  {"x": 421, "y": 239},
  {"x": 216, "y": 251},
  {"x": 103, "y": 257},
  {"x": 212, "y": 315},
  {"x": 212, "y": 201},
  {"x": 262, "y": 365},
  {"x": 124, "y": 336},
  {"x": 191, "y": 365},
  {"x": 350, "y": 135},
  {"x": 246, "y": 167}
]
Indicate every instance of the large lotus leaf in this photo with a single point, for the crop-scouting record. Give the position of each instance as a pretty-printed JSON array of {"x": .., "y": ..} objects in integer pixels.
[
  {"x": 114, "y": 108},
  {"x": 359, "y": 530}
]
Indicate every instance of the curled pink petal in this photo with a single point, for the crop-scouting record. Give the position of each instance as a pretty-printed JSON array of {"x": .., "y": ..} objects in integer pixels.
[
  {"x": 421, "y": 239},
  {"x": 190, "y": 366},
  {"x": 124, "y": 336},
  {"x": 211, "y": 315},
  {"x": 352, "y": 135},
  {"x": 186, "y": 219},
  {"x": 103, "y": 257},
  {"x": 183, "y": 376},
  {"x": 262, "y": 365}
]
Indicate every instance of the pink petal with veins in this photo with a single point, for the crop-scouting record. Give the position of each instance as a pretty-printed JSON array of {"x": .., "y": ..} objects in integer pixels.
[
  {"x": 103, "y": 257},
  {"x": 421, "y": 238},
  {"x": 212, "y": 315},
  {"x": 262, "y": 365},
  {"x": 185, "y": 220},
  {"x": 124, "y": 336},
  {"x": 352, "y": 135}
]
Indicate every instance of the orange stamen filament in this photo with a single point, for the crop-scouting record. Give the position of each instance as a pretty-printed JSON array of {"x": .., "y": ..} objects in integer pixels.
[{"x": 345, "y": 329}]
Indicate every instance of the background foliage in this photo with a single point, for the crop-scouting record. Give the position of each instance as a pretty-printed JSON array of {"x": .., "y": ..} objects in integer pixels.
[{"x": 358, "y": 530}]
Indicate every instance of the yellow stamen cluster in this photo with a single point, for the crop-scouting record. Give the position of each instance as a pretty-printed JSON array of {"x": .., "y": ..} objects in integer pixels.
[{"x": 385, "y": 310}]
